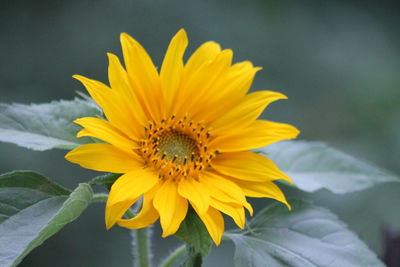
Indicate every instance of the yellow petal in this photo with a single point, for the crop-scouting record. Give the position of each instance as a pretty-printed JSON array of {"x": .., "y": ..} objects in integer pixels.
[
  {"x": 172, "y": 66},
  {"x": 197, "y": 86},
  {"x": 118, "y": 77},
  {"x": 126, "y": 190},
  {"x": 227, "y": 91},
  {"x": 120, "y": 82},
  {"x": 113, "y": 106},
  {"x": 147, "y": 215},
  {"x": 104, "y": 157},
  {"x": 105, "y": 131},
  {"x": 235, "y": 211},
  {"x": 196, "y": 193},
  {"x": 243, "y": 73},
  {"x": 248, "y": 166},
  {"x": 214, "y": 223},
  {"x": 249, "y": 208},
  {"x": 245, "y": 113},
  {"x": 171, "y": 207},
  {"x": 199, "y": 62},
  {"x": 115, "y": 212},
  {"x": 221, "y": 188},
  {"x": 266, "y": 189},
  {"x": 260, "y": 133},
  {"x": 97, "y": 90},
  {"x": 204, "y": 54},
  {"x": 132, "y": 185},
  {"x": 143, "y": 77}
]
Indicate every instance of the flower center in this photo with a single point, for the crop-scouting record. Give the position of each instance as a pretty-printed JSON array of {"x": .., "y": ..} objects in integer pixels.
[{"x": 176, "y": 148}]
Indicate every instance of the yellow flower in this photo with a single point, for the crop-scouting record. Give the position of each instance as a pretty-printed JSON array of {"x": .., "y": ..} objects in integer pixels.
[{"x": 181, "y": 136}]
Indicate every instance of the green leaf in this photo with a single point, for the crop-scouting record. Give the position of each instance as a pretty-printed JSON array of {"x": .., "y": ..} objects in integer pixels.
[
  {"x": 313, "y": 166},
  {"x": 106, "y": 179},
  {"x": 32, "y": 209},
  {"x": 306, "y": 236},
  {"x": 45, "y": 126},
  {"x": 193, "y": 232}
]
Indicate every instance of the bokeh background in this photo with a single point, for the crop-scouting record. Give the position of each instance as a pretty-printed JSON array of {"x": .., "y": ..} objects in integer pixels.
[{"x": 338, "y": 61}]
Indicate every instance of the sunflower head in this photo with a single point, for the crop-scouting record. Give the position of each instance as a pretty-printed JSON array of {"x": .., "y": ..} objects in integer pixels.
[{"x": 181, "y": 136}]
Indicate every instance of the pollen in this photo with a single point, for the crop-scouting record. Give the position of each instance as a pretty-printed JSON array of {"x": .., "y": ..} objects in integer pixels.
[{"x": 177, "y": 148}]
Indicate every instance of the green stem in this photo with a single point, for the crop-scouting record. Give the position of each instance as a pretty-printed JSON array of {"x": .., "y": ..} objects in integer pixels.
[
  {"x": 141, "y": 238},
  {"x": 142, "y": 247},
  {"x": 176, "y": 254},
  {"x": 100, "y": 197},
  {"x": 130, "y": 214}
]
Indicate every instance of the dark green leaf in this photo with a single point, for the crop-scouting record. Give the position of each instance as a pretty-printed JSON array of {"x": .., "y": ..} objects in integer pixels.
[
  {"x": 32, "y": 209},
  {"x": 45, "y": 126},
  {"x": 306, "y": 236},
  {"x": 314, "y": 165},
  {"x": 193, "y": 232}
]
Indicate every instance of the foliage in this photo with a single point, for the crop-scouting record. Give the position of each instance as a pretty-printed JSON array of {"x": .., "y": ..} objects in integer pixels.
[
  {"x": 314, "y": 165},
  {"x": 306, "y": 236},
  {"x": 45, "y": 126},
  {"x": 32, "y": 209}
]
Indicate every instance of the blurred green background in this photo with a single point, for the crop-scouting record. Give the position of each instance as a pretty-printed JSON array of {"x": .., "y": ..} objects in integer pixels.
[{"x": 338, "y": 61}]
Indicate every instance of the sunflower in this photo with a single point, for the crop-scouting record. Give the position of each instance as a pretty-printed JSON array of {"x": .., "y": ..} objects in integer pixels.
[{"x": 181, "y": 137}]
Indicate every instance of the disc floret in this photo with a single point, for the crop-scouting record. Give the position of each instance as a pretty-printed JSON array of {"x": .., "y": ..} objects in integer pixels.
[{"x": 177, "y": 148}]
